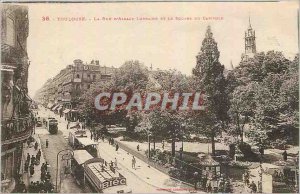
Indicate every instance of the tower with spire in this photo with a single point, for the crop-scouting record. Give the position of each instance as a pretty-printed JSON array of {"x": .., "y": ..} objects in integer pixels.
[{"x": 250, "y": 44}]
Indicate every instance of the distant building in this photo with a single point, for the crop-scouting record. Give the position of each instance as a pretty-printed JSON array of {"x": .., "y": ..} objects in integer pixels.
[
  {"x": 16, "y": 118},
  {"x": 250, "y": 43},
  {"x": 60, "y": 92}
]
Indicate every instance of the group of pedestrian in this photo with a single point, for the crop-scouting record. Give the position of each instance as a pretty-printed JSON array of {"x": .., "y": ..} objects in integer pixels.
[
  {"x": 31, "y": 161},
  {"x": 94, "y": 136},
  {"x": 41, "y": 187},
  {"x": 279, "y": 176},
  {"x": 45, "y": 175},
  {"x": 246, "y": 177},
  {"x": 222, "y": 185},
  {"x": 21, "y": 188},
  {"x": 252, "y": 185}
]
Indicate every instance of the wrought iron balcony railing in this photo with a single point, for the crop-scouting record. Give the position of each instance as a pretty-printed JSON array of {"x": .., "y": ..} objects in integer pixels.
[{"x": 15, "y": 130}]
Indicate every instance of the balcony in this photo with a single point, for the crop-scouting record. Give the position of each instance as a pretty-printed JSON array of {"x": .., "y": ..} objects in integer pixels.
[{"x": 16, "y": 130}]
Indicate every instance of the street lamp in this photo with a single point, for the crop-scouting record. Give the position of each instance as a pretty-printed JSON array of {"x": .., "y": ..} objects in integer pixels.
[
  {"x": 182, "y": 134},
  {"x": 66, "y": 154},
  {"x": 149, "y": 147}
]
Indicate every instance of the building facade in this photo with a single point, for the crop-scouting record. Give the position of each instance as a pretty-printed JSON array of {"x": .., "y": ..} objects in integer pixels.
[
  {"x": 61, "y": 92},
  {"x": 16, "y": 118}
]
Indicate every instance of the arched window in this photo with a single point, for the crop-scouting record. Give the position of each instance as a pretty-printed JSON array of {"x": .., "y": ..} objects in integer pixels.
[{"x": 77, "y": 76}]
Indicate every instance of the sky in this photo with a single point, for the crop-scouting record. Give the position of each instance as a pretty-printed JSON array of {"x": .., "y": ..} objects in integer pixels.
[{"x": 166, "y": 44}]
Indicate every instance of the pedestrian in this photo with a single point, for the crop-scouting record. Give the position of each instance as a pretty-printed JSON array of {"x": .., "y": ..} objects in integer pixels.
[
  {"x": 163, "y": 145},
  {"x": 31, "y": 170},
  {"x": 26, "y": 165},
  {"x": 195, "y": 180},
  {"x": 204, "y": 181},
  {"x": 91, "y": 136},
  {"x": 253, "y": 187},
  {"x": 43, "y": 173},
  {"x": 46, "y": 166},
  {"x": 28, "y": 143},
  {"x": 48, "y": 176},
  {"x": 32, "y": 160},
  {"x": 37, "y": 161},
  {"x": 261, "y": 150},
  {"x": 138, "y": 147},
  {"x": 36, "y": 145},
  {"x": 209, "y": 187},
  {"x": 28, "y": 157},
  {"x": 284, "y": 154},
  {"x": 116, "y": 163},
  {"x": 133, "y": 162},
  {"x": 47, "y": 143},
  {"x": 117, "y": 147},
  {"x": 39, "y": 153}
]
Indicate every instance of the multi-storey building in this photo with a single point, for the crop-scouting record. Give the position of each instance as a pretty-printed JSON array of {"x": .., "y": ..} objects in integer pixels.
[
  {"x": 16, "y": 118},
  {"x": 70, "y": 83}
]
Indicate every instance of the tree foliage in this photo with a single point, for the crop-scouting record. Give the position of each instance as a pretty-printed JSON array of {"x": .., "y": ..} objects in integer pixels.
[
  {"x": 264, "y": 90},
  {"x": 210, "y": 79}
]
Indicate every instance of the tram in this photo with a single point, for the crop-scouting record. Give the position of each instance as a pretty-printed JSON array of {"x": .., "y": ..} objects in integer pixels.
[
  {"x": 97, "y": 174},
  {"x": 79, "y": 140},
  {"x": 52, "y": 125}
]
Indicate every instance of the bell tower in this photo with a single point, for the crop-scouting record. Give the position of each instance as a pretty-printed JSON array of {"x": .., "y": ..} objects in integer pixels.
[{"x": 250, "y": 44}]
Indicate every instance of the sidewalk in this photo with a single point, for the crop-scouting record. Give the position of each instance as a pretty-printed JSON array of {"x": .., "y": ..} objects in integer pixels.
[{"x": 37, "y": 168}]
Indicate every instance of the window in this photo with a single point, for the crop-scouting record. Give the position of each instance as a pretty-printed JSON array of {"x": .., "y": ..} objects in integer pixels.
[
  {"x": 77, "y": 76},
  {"x": 88, "y": 86},
  {"x": 89, "y": 76},
  {"x": 10, "y": 31},
  {"x": 94, "y": 77}
]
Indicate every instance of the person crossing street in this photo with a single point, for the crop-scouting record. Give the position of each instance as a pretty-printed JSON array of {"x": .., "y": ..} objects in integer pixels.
[{"x": 133, "y": 162}]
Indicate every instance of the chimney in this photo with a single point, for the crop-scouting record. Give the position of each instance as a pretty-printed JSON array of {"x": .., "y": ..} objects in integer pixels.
[{"x": 97, "y": 62}]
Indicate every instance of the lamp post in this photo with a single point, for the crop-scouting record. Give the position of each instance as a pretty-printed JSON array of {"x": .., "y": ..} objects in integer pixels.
[
  {"x": 149, "y": 155},
  {"x": 182, "y": 134},
  {"x": 66, "y": 154}
]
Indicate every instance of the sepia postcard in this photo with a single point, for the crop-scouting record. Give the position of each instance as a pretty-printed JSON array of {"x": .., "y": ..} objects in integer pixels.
[{"x": 150, "y": 96}]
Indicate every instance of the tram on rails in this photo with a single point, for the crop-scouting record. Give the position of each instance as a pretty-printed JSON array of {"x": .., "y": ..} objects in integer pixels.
[
  {"x": 96, "y": 173},
  {"x": 79, "y": 140}
]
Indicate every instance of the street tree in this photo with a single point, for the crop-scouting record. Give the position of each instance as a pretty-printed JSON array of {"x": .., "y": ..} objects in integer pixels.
[{"x": 210, "y": 79}]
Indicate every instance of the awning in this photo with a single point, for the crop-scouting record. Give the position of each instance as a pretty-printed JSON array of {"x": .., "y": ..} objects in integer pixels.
[
  {"x": 59, "y": 108},
  {"x": 66, "y": 111},
  {"x": 81, "y": 156},
  {"x": 86, "y": 141},
  {"x": 28, "y": 98},
  {"x": 74, "y": 110},
  {"x": 50, "y": 105},
  {"x": 55, "y": 107}
]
